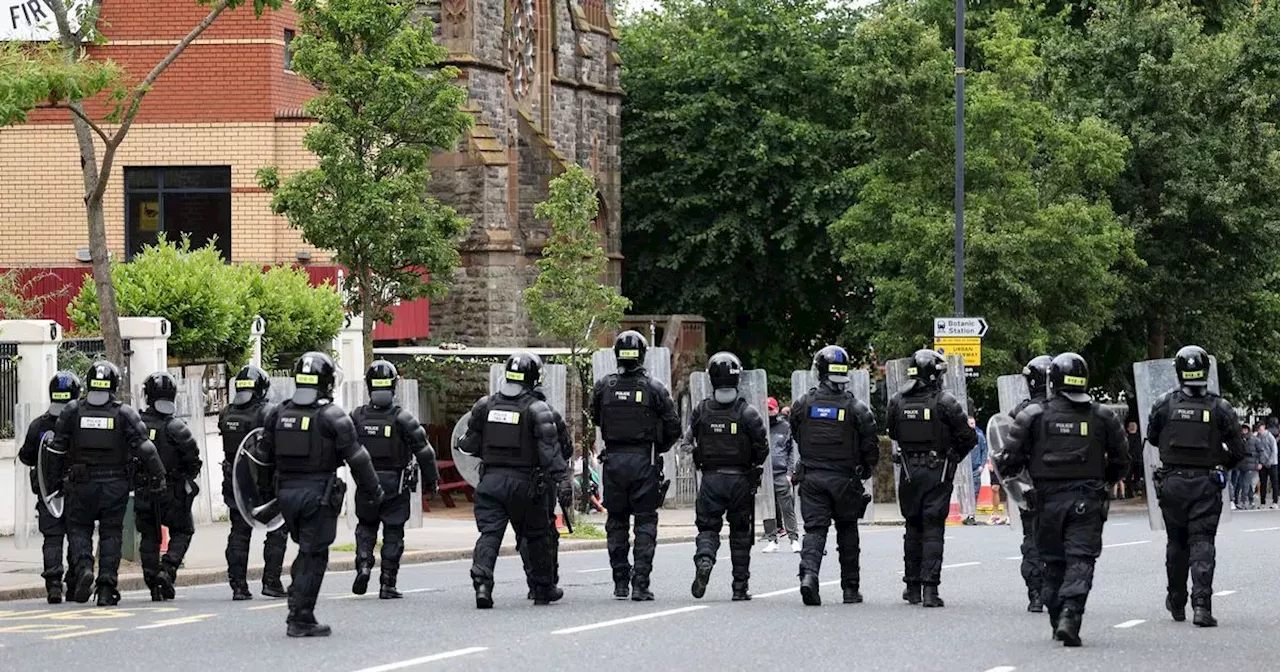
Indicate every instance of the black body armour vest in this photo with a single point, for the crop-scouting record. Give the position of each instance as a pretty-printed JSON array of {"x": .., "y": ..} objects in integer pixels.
[
  {"x": 507, "y": 440},
  {"x": 300, "y": 447},
  {"x": 379, "y": 435},
  {"x": 627, "y": 415},
  {"x": 156, "y": 432},
  {"x": 98, "y": 438},
  {"x": 722, "y": 436},
  {"x": 1191, "y": 438},
  {"x": 1068, "y": 447},
  {"x": 236, "y": 424},
  {"x": 828, "y": 428},
  {"x": 920, "y": 426}
]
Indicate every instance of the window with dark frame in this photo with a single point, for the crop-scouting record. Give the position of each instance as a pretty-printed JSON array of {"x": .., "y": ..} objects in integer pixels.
[
  {"x": 171, "y": 202},
  {"x": 288, "y": 49}
]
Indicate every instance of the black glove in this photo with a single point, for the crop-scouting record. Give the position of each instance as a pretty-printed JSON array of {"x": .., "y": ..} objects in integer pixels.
[
  {"x": 896, "y": 457},
  {"x": 861, "y": 472},
  {"x": 193, "y": 488}
]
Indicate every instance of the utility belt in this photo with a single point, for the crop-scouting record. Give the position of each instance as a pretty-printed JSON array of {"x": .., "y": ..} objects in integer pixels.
[
  {"x": 80, "y": 473},
  {"x": 732, "y": 471},
  {"x": 645, "y": 449},
  {"x": 932, "y": 459},
  {"x": 1216, "y": 474}
]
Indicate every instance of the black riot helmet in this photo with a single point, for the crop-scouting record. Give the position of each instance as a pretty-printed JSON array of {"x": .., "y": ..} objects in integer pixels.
[
  {"x": 522, "y": 372},
  {"x": 251, "y": 385},
  {"x": 1069, "y": 376},
  {"x": 629, "y": 347},
  {"x": 1192, "y": 365},
  {"x": 103, "y": 380},
  {"x": 314, "y": 376},
  {"x": 725, "y": 370},
  {"x": 832, "y": 364},
  {"x": 1037, "y": 374},
  {"x": 160, "y": 389},
  {"x": 926, "y": 367},
  {"x": 380, "y": 380},
  {"x": 64, "y": 388}
]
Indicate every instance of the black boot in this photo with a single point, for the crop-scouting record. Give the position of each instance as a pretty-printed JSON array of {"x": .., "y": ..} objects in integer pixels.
[
  {"x": 484, "y": 596},
  {"x": 168, "y": 579},
  {"x": 809, "y": 590},
  {"x": 1034, "y": 604},
  {"x": 1054, "y": 614},
  {"x": 303, "y": 624},
  {"x": 161, "y": 588},
  {"x": 155, "y": 590},
  {"x": 912, "y": 593},
  {"x": 544, "y": 596},
  {"x": 621, "y": 589},
  {"x": 1177, "y": 608},
  {"x": 361, "y": 585},
  {"x": 640, "y": 589},
  {"x": 271, "y": 587},
  {"x": 387, "y": 587},
  {"x": 929, "y": 597},
  {"x": 240, "y": 590},
  {"x": 740, "y": 592},
  {"x": 84, "y": 585},
  {"x": 1068, "y": 629},
  {"x": 54, "y": 590},
  {"x": 701, "y": 575},
  {"x": 851, "y": 594},
  {"x": 1202, "y": 614},
  {"x": 108, "y": 596}
]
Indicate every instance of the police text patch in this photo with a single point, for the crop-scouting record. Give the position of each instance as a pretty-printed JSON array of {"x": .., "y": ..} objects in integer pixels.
[
  {"x": 1069, "y": 428},
  {"x": 826, "y": 413},
  {"x": 505, "y": 417},
  {"x": 1190, "y": 415},
  {"x": 97, "y": 423}
]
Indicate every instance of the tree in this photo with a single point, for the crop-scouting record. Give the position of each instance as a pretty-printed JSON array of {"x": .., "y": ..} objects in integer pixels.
[
  {"x": 384, "y": 105},
  {"x": 736, "y": 137},
  {"x": 1042, "y": 242},
  {"x": 61, "y": 75},
  {"x": 567, "y": 302}
]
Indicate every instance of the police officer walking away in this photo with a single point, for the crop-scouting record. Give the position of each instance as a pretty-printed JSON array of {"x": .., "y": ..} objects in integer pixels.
[
  {"x": 730, "y": 442},
  {"x": 99, "y": 436},
  {"x": 394, "y": 439},
  {"x": 836, "y": 435},
  {"x": 1190, "y": 426},
  {"x": 638, "y": 422},
  {"x": 64, "y": 388},
  {"x": 514, "y": 434},
  {"x": 1036, "y": 373},
  {"x": 1074, "y": 449},
  {"x": 172, "y": 508},
  {"x": 247, "y": 412},
  {"x": 562, "y": 493},
  {"x": 933, "y": 434},
  {"x": 306, "y": 439}
]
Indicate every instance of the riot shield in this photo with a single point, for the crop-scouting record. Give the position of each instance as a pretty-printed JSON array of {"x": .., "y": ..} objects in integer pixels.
[
  {"x": 1151, "y": 379},
  {"x": 1012, "y": 391},
  {"x": 896, "y": 379},
  {"x": 25, "y": 523},
  {"x": 253, "y": 487},
  {"x": 754, "y": 387},
  {"x": 467, "y": 464},
  {"x": 657, "y": 363},
  {"x": 860, "y": 385},
  {"x": 699, "y": 389},
  {"x": 50, "y": 469},
  {"x": 407, "y": 396}
]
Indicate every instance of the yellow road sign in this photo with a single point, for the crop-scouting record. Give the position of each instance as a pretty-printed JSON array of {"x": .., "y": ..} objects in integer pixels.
[{"x": 969, "y": 347}]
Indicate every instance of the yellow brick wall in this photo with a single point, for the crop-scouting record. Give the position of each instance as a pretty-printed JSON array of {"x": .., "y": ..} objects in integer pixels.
[{"x": 42, "y": 220}]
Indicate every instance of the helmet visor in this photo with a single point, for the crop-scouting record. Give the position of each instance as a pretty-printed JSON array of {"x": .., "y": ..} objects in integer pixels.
[{"x": 165, "y": 406}]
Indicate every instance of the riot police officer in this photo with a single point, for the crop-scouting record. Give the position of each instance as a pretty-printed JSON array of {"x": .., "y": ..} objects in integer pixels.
[
  {"x": 64, "y": 388},
  {"x": 562, "y": 493},
  {"x": 172, "y": 508},
  {"x": 933, "y": 434},
  {"x": 98, "y": 437},
  {"x": 247, "y": 412},
  {"x": 1190, "y": 426},
  {"x": 836, "y": 437},
  {"x": 730, "y": 441},
  {"x": 638, "y": 422},
  {"x": 1036, "y": 373},
  {"x": 514, "y": 435},
  {"x": 1073, "y": 448},
  {"x": 304, "y": 440},
  {"x": 394, "y": 439}
]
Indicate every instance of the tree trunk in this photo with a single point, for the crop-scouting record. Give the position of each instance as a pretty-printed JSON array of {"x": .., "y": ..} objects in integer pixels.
[
  {"x": 108, "y": 313},
  {"x": 366, "y": 312},
  {"x": 1155, "y": 339}
]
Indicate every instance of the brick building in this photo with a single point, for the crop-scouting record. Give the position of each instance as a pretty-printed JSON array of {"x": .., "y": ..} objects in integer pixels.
[{"x": 542, "y": 78}]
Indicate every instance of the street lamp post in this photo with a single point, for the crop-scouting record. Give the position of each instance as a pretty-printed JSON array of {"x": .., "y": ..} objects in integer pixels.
[{"x": 959, "y": 204}]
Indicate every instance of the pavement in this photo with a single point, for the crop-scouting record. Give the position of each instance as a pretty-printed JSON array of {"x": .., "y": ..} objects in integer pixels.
[{"x": 984, "y": 626}]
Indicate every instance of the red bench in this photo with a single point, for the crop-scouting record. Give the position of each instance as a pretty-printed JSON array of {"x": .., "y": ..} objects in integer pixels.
[{"x": 450, "y": 480}]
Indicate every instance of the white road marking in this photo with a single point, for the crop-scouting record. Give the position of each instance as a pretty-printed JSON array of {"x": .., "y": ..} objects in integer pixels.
[
  {"x": 277, "y": 605},
  {"x": 1003, "y": 668},
  {"x": 784, "y": 591},
  {"x": 82, "y": 633},
  {"x": 1127, "y": 543},
  {"x": 186, "y": 620},
  {"x": 425, "y": 659},
  {"x": 597, "y": 569},
  {"x": 352, "y": 596},
  {"x": 620, "y": 621},
  {"x": 1129, "y": 624},
  {"x": 1224, "y": 593},
  {"x": 1119, "y": 524},
  {"x": 421, "y": 590},
  {"x": 1263, "y": 529},
  {"x": 1014, "y": 557},
  {"x": 961, "y": 564}
]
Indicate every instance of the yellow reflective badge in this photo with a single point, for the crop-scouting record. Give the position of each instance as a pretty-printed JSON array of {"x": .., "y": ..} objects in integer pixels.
[
  {"x": 1084, "y": 429},
  {"x": 838, "y": 368},
  {"x": 381, "y": 382},
  {"x": 100, "y": 384},
  {"x": 386, "y": 431},
  {"x": 307, "y": 379},
  {"x": 840, "y": 415},
  {"x": 733, "y": 428},
  {"x": 152, "y": 434},
  {"x": 240, "y": 382},
  {"x": 1075, "y": 380},
  {"x": 628, "y": 354},
  {"x": 60, "y": 396},
  {"x": 639, "y": 396},
  {"x": 928, "y": 414},
  {"x": 515, "y": 375},
  {"x": 306, "y": 422},
  {"x": 1192, "y": 375},
  {"x": 1206, "y": 416},
  {"x": 911, "y": 371}
]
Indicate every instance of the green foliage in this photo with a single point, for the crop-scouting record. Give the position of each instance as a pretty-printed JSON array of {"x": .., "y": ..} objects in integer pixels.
[
  {"x": 385, "y": 105},
  {"x": 584, "y": 530},
  {"x": 211, "y": 305},
  {"x": 736, "y": 138},
  {"x": 31, "y": 76},
  {"x": 568, "y": 302},
  {"x": 18, "y": 300}
]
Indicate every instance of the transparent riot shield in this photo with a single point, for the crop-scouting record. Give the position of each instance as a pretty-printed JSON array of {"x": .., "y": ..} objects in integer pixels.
[
  {"x": 895, "y": 380},
  {"x": 699, "y": 390},
  {"x": 468, "y": 465},
  {"x": 190, "y": 408},
  {"x": 253, "y": 488},
  {"x": 754, "y": 387},
  {"x": 657, "y": 363},
  {"x": 1151, "y": 379},
  {"x": 953, "y": 382},
  {"x": 25, "y": 522},
  {"x": 407, "y": 397},
  {"x": 1012, "y": 391},
  {"x": 860, "y": 385}
]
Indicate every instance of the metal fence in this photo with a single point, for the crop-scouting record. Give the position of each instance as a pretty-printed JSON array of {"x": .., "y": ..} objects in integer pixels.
[
  {"x": 8, "y": 389},
  {"x": 76, "y": 354}
]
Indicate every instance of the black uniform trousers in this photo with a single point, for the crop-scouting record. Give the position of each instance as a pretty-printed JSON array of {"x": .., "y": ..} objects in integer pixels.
[
  {"x": 523, "y": 548},
  {"x": 392, "y": 513},
  {"x": 174, "y": 513},
  {"x": 238, "y": 543},
  {"x": 1191, "y": 502},
  {"x": 726, "y": 494},
  {"x": 924, "y": 498},
  {"x": 1032, "y": 570},
  {"x": 1069, "y": 538},
  {"x": 512, "y": 495},
  {"x": 310, "y": 504},
  {"x": 100, "y": 498},
  {"x": 54, "y": 531},
  {"x": 631, "y": 488},
  {"x": 831, "y": 496}
]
